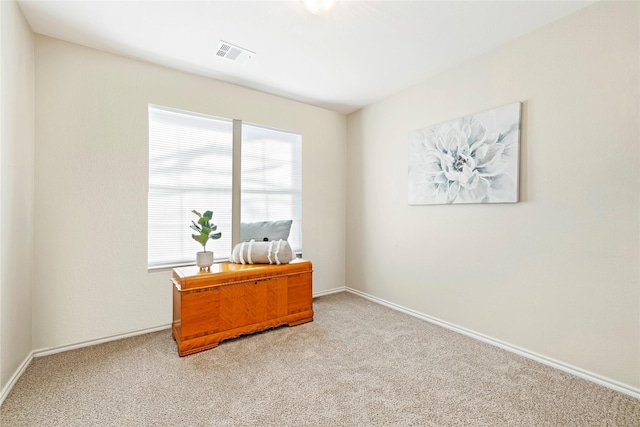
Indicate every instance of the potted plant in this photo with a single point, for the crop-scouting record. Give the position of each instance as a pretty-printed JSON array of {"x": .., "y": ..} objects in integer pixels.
[{"x": 206, "y": 230}]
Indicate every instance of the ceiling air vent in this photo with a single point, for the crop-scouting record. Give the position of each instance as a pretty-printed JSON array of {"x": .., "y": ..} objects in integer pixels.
[{"x": 233, "y": 52}]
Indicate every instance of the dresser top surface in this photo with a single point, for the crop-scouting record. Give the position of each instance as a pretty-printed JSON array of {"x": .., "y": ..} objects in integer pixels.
[{"x": 192, "y": 277}]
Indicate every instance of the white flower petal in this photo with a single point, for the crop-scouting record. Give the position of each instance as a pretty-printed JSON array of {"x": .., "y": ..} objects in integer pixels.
[
  {"x": 452, "y": 140},
  {"x": 492, "y": 169},
  {"x": 508, "y": 130},
  {"x": 430, "y": 190},
  {"x": 453, "y": 192},
  {"x": 463, "y": 196},
  {"x": 445, "y": 159},
  {"x": 440, "y": 178},
  {"x": 503, "y": 188},
  {"x": 481, "y": 151},
  {"x": 431, "y": 166},
  {"x": 477, "y": 133},
  {"x": 440, "y": 144},
  {"x": 452, "y": 174},
  {"x": 465, "y": 133},
  {"x": 473, "y": 180},
  {"x": 465, "y": 176},
  {"x": 493, "y": 154},
  {"x": 509, "y": 138},
  {"x": 471, "y": 162},
  {"x": 443, "y": 193},
  {"x": 480, "y": 193}
]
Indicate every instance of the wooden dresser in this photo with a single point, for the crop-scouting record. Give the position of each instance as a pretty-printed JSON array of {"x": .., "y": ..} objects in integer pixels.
[{"x": 236, "y": 299}]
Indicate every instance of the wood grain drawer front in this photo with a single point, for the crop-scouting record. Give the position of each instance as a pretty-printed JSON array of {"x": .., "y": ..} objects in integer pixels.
[
  {"x": 200, "y": 313},
  {"x": 252, "y": 302},
  {"x": 299, "y": 296},
  {"x": 275, "y": 297},
  {"x": 232, "y": 306}
]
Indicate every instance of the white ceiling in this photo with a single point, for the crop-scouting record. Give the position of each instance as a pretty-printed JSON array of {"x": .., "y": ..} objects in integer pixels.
[{"x": 359, "y": 53}]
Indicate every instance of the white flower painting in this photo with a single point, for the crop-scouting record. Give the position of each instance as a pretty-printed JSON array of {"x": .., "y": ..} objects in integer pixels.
[{"x": 469, "y": 160}]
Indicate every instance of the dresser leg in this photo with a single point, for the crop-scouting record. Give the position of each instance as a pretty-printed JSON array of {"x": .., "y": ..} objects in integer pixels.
[{"x": 300, "y": 322}]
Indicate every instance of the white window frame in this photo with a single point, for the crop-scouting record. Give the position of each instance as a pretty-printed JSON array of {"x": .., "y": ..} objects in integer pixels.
[{"x": 236, "y": 213}]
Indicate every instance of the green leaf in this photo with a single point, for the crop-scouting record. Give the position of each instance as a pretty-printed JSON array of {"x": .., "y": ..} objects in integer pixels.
[
  {"x": 201, "y": 238},
  {"x": 205, "y": 228}
]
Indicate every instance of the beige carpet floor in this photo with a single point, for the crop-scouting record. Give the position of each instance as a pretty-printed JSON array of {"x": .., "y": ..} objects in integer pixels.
[{"x": 357, "y": 364}]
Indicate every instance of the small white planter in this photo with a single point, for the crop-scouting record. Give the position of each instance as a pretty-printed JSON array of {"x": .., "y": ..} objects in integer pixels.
[{"x": 204, "y": 260}]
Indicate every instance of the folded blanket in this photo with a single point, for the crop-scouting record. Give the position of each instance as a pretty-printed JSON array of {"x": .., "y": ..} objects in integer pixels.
[{"x": 252, "y": 252}]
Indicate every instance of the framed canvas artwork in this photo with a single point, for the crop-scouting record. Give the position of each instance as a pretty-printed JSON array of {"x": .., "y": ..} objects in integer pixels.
[{"x": 473, "y": 159}]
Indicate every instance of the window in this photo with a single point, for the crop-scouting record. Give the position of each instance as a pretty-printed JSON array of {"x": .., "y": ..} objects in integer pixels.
[
  {"x": 271, "y": 186},
  {"x": 191, "y": 167}
]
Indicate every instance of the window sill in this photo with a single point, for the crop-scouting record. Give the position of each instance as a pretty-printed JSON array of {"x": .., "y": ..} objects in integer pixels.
[{"x": 169, "y": 267}]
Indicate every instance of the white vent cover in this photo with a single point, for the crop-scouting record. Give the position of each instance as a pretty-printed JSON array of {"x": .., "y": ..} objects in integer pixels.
[{"x": 233, "y": 52}]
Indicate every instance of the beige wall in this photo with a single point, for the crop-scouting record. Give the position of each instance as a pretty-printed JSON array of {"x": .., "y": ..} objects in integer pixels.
[
  {"x": 556, "y": 274},
  {"x": 91, "y": 278},
  {"x": 16, "y": 190}
]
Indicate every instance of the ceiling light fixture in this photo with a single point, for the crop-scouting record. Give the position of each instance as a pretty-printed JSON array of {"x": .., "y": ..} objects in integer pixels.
[{"x": 318, "y": 7}]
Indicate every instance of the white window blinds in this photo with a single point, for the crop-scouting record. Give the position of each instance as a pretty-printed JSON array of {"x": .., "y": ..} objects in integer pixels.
[
  {"x": 271, "y": 186},
  {"x": 190, "y": 168}
]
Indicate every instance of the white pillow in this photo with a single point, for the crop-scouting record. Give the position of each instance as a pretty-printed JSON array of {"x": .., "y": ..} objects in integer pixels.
[{"x": 252, "y": 252}]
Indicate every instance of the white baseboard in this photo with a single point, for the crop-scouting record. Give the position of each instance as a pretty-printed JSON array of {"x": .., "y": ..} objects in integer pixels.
[
  {"x": 609, "y": 383},
  {"x": 14, "y": 378},
  {"x": 53, "y": 350},
  {"x": 330, "y": 291},
  {"x": 590, "y": 376},
  {"x": 59, "y": 349}
]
